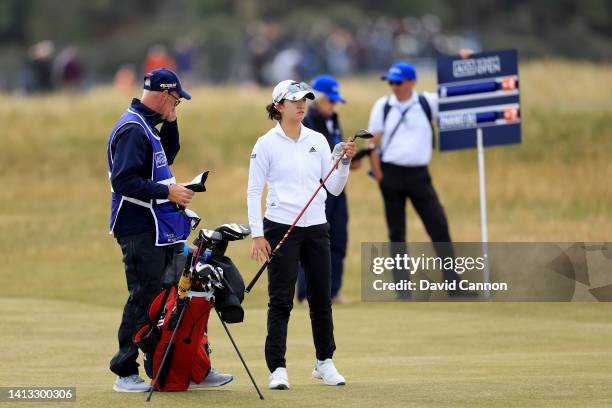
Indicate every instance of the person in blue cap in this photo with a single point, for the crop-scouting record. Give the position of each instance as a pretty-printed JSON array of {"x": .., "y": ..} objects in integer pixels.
[
  {"x": 145, "y": 216},
  {"x": 402, "y": 127},
  {"x": 322, "y": 117}
]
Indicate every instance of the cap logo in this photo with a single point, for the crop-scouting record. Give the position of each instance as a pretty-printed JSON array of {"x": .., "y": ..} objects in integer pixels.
[
  {"x": 147, "y": 81},
  {"x": 168, "y": 86},
  {"x": 395, "y": 71}
]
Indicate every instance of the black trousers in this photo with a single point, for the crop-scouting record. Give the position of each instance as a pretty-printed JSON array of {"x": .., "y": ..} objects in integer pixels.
[
  {"x": 310, "y": 245},
  {"x": 145, "y": 266},
  {"x": 336, "y": 212},
  {"x": 400, "y": 183}
]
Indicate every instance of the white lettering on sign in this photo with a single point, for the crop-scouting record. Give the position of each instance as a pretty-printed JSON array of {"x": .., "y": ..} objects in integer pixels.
[
  {"x": 457, "y": 121},
  {"x": 479, "y": 66}
]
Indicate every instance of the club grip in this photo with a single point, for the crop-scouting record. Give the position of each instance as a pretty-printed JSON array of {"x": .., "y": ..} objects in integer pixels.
[{"x": 256, "y": 277}]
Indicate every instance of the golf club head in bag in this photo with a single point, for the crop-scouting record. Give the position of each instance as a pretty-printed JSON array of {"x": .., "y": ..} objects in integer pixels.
[
  {"x": 230, "y": 232},
  {"x": 234, "y": 232},
  {"x": 228, "y": 300},
  {"x": 229, "y": 295},
  {"x": 207, "y": 278},
  {"x": 208, "y": 238}
]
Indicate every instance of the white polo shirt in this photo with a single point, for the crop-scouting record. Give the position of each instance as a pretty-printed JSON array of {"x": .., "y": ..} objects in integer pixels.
[
  {"x": 292, "y": 170},
  {"x": 412, "y": 143}
]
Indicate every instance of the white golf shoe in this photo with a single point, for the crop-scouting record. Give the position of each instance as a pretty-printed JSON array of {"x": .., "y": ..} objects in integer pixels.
[
  {"x": 213, "y": 379},
  {"x": 279, "y": 379},
  {"x": 132, "y": 383},
  {"x": 326, "y": 370}
]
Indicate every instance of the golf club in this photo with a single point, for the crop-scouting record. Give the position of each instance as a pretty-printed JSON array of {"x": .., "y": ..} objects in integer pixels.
[
  {"x": 168, "y": 349},
  {"x": 360, "y": 134}
]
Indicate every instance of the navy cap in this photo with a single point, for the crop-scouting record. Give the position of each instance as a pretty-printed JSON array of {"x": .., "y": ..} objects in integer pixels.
[
  {"x": 328, "y": 85},
  {"x": 164, "y": 79},
  {"x": 401, "y": 71}
]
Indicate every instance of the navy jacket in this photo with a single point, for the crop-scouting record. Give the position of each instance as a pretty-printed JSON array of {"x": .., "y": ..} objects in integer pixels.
[
  {"x": 315, "y": 121},
  {"x": 131, "y": 174}
]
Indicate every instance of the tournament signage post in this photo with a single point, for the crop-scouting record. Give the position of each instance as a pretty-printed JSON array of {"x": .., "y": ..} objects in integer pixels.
[{"x": 478, "y": 107}]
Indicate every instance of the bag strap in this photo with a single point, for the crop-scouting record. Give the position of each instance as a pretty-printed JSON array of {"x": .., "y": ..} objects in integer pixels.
[
  {"x": 399, "y": 122},
  {"x": 427, "y": 109},
  {"x": 161, "y": 307},
  {"x": 386, "y": 110}
]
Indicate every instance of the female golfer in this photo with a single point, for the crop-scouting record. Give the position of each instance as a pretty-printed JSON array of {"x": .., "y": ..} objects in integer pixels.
[{"x": 292, "y": 159}]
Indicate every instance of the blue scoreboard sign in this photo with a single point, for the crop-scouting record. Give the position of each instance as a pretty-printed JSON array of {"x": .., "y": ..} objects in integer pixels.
[{"x": 479, "y": 92}]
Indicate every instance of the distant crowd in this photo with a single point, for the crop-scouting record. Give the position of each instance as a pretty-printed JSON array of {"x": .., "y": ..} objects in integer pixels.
[{"x": 269, "y": 52}]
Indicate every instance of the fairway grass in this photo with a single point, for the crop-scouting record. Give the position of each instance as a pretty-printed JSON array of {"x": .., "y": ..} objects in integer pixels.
[{"x": 393, "y": 355}]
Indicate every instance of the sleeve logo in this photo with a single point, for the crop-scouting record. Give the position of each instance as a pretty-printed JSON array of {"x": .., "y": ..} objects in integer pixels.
[{"x": 160, "y": 160}]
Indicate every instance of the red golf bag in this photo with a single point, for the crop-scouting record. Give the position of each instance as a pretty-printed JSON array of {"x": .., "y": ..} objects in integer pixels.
[
  {"x": 188, "y": 358},
  {"x": 213, "y": 273}
]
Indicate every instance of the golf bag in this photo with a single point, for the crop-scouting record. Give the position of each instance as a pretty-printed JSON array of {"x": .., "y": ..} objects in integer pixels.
[
  {"x": 213, "y": 278},
  {"x": 189, "y": 359}
]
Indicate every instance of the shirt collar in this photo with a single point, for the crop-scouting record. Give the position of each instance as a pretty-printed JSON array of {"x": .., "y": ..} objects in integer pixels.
[
  {"x": 303, "y": 133},
  {"x": 150, "y": 115}
]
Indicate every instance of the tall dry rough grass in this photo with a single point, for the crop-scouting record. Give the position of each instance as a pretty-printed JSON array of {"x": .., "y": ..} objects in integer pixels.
[{"x": 555, "y": 186}]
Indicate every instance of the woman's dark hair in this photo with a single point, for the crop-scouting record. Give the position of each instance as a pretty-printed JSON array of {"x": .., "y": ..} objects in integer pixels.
[{"x": 273, "y": 113}]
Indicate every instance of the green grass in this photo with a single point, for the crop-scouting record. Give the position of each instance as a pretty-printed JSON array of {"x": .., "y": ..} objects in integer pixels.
[
  {"x": 434, "y": 355},
  {"x": 63, "y": 287}
]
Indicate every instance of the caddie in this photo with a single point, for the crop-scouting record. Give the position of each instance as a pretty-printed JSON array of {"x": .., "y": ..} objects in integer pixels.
[{"x": 147, "y": 217}]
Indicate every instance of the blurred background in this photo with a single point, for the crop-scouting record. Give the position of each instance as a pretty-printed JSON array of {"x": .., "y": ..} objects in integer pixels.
[
  {"x": 68, "y": 69},
  {"x": 46, "y": 45}
]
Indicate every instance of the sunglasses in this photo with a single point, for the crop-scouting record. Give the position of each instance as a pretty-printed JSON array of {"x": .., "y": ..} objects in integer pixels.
[
  {"x": 395, "y": 83},
  {"x": 293, "y": 88}
]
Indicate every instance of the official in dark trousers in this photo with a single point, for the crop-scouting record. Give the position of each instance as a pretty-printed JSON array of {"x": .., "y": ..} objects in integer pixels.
[
  {"x": 145, "y": 219},
  {"x": 291, "y": 159},
  {"x": 402, "y": 127},
  {"x": 322, "y": 118}
]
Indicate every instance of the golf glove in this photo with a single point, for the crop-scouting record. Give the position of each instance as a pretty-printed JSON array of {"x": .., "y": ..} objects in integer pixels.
[{"x": 338, "y": 150}]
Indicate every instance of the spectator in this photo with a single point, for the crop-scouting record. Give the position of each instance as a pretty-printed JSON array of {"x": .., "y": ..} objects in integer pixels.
[{"x": 158, "y": 57}]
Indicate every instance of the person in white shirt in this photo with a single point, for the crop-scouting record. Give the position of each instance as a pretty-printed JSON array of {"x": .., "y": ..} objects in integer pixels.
[
  {"x": 402, "y": 127},
  {"x": 292, "y": 160}
]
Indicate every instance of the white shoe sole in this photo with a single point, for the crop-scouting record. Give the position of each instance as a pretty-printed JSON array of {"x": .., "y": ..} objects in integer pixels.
[
  {"x": 279, "y": 387},
  {"x": 318, "y": 376},
  {"x": 116, "y": 388}
]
